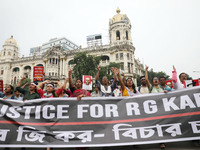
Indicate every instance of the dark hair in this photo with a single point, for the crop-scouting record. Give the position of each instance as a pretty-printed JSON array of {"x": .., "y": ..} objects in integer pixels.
[
  {"x": 181, "y": 74},
  {"x": 12, "y": 88},
  {"x": 162, "y": 77},
  {"x": 79, "y": 79},
  {"x": 133, "y": 85},
  {"x": 54, "y": 93},
  {"x": 142, "y": 77}
]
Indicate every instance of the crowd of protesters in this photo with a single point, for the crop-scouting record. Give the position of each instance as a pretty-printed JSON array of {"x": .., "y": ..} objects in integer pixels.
[
  {"x": 104, "y": 88},
  {"x": 126, "y": 87}
]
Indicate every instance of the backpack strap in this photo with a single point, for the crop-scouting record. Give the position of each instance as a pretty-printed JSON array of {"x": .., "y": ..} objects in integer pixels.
[{"x": 150, "y": 90}]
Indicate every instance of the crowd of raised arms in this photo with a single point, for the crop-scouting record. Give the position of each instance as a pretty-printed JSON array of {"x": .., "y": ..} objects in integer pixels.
[{"x": 104, "y": 88}]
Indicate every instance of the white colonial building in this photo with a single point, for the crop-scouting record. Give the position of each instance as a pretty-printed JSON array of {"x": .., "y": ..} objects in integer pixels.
[{"x": 57, "y": 61}]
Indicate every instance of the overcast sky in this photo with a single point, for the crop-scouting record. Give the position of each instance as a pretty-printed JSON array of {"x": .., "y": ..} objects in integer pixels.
[{"x": 164, "y": 32}]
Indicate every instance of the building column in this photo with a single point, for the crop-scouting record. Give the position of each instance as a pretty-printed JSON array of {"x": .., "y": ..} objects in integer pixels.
[
  {"x": 64, "y": 71},
  {"x": 21, "y": 71},
  {"x": 31, "y": 73},
  {"x": 125, "y": 61},
  {"x": 60, "y": 67}
]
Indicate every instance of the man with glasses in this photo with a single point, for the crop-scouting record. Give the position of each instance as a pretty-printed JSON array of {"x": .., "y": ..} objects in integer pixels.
[{"x": 178, "y": 84}]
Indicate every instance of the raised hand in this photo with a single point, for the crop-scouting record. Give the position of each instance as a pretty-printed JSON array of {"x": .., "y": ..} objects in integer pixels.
[
  {"x": 99, "y": 68},
  {"x": 70, "y": 71},
  {"x": 147, "y": 67},
  {"x": 174, "y": 68},
  {"x": 23, "y": 78},
  {"x": 112, "y": 69},
  {"x": 27, "y": 83},
  {"x": 47, "y": 81},
  {"x": 117, "y": 71}
]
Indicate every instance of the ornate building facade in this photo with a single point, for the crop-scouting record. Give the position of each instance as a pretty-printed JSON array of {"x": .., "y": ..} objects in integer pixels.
[{"x": 57, "y": 61}]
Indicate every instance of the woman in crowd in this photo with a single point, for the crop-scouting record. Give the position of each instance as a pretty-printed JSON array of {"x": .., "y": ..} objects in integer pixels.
[
  {"x": 77, "y": 90},
  {"x": 129, "y": 88},
  {"x": 8, "y": 93},
  {"x": 28, "y": 94},
  {"x": 65, "y": 92}
]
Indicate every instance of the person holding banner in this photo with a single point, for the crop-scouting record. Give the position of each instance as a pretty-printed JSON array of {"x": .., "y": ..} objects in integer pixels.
[
  {"x": 178, "y": 84},
  {"x": 129, "y": 89},
  {"x": 77, "y": 90},
  {"x": 105, "y": 90},
  {"x": 8, "y": 93},
  {"x": 28, "y": 94}
]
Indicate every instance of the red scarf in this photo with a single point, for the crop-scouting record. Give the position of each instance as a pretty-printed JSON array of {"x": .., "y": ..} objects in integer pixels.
[{"x": 78, "y": 92}]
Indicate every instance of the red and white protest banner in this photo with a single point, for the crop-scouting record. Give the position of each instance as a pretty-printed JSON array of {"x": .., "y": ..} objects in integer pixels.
[{"x": 38, "y": 73}]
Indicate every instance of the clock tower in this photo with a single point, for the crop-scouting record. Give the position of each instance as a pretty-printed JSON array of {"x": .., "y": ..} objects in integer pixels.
[{"x": 120, "y": 29}]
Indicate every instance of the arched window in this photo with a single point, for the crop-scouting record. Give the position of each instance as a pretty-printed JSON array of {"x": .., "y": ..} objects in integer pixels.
[
  {"x": 39, "y": 65},
  {"x": 16, "y": 69},
  {"x": 126, "y": 35},
  {"x": 117, "y": 35},
  {"x": 71, "y": 62}
]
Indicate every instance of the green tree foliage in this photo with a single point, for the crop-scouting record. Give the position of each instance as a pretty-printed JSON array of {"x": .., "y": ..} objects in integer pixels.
[
  {"x": 152, "y": 74},
  {"x": 106, "y": 71},
  {"x": 27, "y": 80},
  {"x": 85, "y": 64}
]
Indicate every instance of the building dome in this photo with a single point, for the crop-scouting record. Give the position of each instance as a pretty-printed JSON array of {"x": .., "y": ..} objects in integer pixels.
[
  {"x": 118, "y": 16},
  {"x": 11, "y": 40}
]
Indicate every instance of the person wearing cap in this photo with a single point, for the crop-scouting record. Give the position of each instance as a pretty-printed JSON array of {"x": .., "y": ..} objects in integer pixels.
[
  {"x": 50, "y": 89},
  {"x": 28, "y": 94},
  {"x": 77, "y": 90}
]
